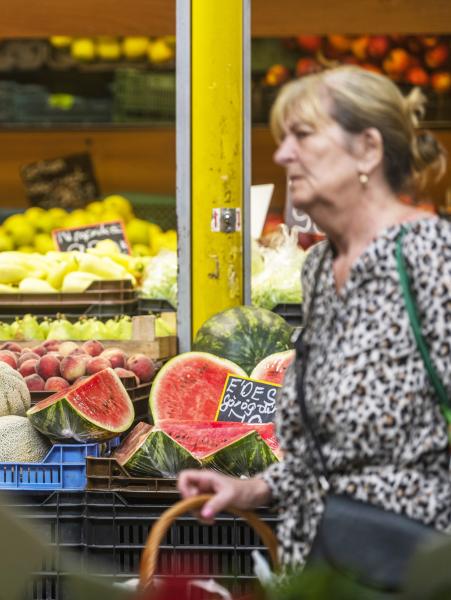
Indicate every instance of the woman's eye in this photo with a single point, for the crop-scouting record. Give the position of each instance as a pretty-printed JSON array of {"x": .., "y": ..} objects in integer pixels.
[{"x": 301, "y": 133}]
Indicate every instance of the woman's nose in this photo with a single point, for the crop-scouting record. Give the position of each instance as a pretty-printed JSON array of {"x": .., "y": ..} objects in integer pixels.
[{"x": 286, "y": 152}]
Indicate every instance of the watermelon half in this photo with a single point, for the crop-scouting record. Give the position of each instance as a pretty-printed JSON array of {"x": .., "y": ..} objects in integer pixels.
[
  {"x": 166, "y": 449},
  {"x": 92, "y": 410},
  {"x": 272, "y": 368},
  {"x": 244, "y": 335},
  {"x": 189, "y": 387}
]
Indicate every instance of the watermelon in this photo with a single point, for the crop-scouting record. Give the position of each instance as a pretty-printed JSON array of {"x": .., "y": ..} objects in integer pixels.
[
  {"x": 166, "y": 449},
  {"x": 189, "y": 387},
  {"x": 244, "y": 335},
  {"x": 272, "y": 368},
  {"x": 93, "y": 410}
]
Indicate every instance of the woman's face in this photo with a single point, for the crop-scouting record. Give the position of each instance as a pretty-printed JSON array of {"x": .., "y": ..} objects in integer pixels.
[{"x": 318, "y": 162}]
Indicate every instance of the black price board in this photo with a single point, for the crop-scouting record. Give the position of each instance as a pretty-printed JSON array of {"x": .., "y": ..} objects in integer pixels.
[
  {"x": 67, "y": 182},
  {"x": 246, "y": 400},
  {"x": 82, "y": 238}
]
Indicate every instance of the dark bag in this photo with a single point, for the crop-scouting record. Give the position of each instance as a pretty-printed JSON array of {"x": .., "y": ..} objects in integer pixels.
[{"x": 371, "y": 544}]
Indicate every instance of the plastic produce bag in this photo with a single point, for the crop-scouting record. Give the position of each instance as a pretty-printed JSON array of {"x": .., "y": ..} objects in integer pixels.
[
  {"x": 160, "y": 278},
  {"x": 276, "y": 271}
]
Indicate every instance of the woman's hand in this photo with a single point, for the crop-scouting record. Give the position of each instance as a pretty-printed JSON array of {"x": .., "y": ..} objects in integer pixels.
[{"x": 227, "y": 491}]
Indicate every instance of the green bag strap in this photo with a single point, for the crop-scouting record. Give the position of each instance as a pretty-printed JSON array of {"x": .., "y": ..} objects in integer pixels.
[{"x": 412, "y": 311}]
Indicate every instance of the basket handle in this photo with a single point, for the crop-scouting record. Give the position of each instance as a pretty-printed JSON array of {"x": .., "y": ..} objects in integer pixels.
[{"x": 150, "y": 552}]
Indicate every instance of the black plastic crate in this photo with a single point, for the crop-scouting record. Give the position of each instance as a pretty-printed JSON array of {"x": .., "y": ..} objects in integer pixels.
[
  {"x": 148, "y": 306},
  {"x": 292, "y": 313},
  {"x": 117, "y": 526}
]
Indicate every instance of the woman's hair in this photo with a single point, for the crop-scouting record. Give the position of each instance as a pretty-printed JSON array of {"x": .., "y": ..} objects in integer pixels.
[{"x": 358, "y": 99}]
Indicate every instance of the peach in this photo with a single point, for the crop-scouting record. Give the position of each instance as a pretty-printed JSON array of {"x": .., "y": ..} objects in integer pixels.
[
  {"x": 359, "y": 47},
  {"x": 28, "y": 367},
  {"x": 93, "y": 347},
  {"x": 11, "y": 346},
  {"x": 142, "y": 366},
  {"x": 126, "y": 374},
  {"x": 78, "y": 352},
  {"x": 67, "y": 347},
  {"x": 441, "y": 82},
  {"x": 9, "y": 358},
  {"x": 312, "y": 43},
  {"x": 116, "y": 356},
  {"x": 56, "y": 384},
  {"x": 437, "y": 57},
  {"x": 48, "y": 366},
  {"x": 305, "y": 66},
  {"x": 396, "y": 62},
  {"x": 96, "y": 363},
  {"x": 417, "y": 76},
  {"x": 82, "y": 378},
  {"x": 276, "y": 75},
  {"x": 41, "y": 350},
  {"x": 341, "y": 43},
  {"x": 34, "y": 382},
  {"x": 26, "y": 356},
  {"x": 73, "y": 366},
  {"x": 378, "y": 46},
  {"x": 51, "y": 345}
]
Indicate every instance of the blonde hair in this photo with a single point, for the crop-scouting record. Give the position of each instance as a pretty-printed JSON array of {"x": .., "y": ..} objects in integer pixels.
[{"x": 361, "y": 99}]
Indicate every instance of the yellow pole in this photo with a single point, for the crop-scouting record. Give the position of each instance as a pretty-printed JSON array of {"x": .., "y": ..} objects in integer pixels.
[{"x": 217, "y": 156}]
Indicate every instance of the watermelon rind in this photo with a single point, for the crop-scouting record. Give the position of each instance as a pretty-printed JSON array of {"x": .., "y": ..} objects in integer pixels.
[
  {"x": 244, "y": 335},
  {"x": 194, "y": 398},
  {"x": 59, "y": 418},
  {"x": 158, "y": 455}
]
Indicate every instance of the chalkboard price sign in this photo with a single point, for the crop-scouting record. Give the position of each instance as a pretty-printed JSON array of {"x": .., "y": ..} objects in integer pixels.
[
  {"x": 82, "y": 238},
  {"x": 68, "y": 182},
  {"x": 246, "y": 400}
]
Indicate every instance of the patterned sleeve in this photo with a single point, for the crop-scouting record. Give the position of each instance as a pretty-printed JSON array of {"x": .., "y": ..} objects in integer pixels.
[
  {"x": 281, "y": 477},
  {"x": 428, "y": 259}
]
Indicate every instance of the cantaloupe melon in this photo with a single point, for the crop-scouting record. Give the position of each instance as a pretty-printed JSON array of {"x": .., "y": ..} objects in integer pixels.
[
  {"x": 20, "y": 441},
  {"x": 14, "y": 394}
]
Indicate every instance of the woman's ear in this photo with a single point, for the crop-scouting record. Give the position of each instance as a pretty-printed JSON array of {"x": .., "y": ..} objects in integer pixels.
[{"x": 369, "y": 150}]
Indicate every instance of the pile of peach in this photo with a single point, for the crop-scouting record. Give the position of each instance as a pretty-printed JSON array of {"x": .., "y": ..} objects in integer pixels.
[{"x": 54, "y": 364}]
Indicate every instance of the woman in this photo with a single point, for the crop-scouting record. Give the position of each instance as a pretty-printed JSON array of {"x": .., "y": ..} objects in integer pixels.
[{"x": 349, "y": 143}]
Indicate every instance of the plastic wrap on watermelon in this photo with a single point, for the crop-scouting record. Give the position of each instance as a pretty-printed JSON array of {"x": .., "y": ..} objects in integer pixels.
[
  {"x": 165, "y": 450},
  {"x": 278, "y": 281},
  {"x": 160, "y": 277},
  {"x": 94, "y": 410}
]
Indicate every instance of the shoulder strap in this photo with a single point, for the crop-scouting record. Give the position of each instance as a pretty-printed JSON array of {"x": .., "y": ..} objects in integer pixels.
[{"x": 412, "y": 311}]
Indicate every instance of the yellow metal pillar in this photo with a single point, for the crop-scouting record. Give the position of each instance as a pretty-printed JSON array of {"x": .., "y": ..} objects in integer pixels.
[{"x": 217, "y": 157}]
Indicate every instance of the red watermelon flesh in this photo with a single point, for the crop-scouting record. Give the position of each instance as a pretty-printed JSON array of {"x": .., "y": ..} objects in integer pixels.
[
  {"x": 202, "y": 438},
  {"x": 94, "y": 409},
  {"x": 189, "y": 387},
  {"x": 134, "y": 440},
  {"x": 272, "y": 368}
]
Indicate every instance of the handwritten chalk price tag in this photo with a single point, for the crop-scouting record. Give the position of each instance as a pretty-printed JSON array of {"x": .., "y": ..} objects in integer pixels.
[
  {"x": 246, "y": 400},
  {"x": 82, "y": 238}
]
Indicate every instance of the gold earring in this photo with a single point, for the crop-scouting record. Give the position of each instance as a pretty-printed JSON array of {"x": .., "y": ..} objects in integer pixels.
[{"x": 363, "y": 178}]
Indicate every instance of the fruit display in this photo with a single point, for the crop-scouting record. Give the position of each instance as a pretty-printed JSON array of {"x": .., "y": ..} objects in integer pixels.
[
  {"x": 55, "y": 364},
  {"x": 14, "y": 394},
  {"x": 189, "y": 387},
  {"x": 20, "y": 442},
  {"x": 272, "y": 368},
  {"x": 245, "y": 335},
  {"x": 169, "y": 447},
  {"x": 94, "y": 409},
  {"x": 30, "y": 231},
  {"x": 407, "y": 59}
]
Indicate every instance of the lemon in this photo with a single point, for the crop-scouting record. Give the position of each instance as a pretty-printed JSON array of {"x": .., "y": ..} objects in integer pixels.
[
  {"x": 120, "y": 205},
  {"x": 108, "y": 48},
  {"x": 96, "y": 208},
  {"x": 134, "y": 47},
  {"x": 33, "y": 214},
  {"x": 43, "y": 242},
  {"x": 60, "y": 41},
  {"x": 83, "y": 49},
  {"x": 111, "y": 215},
  {"x": 137, "y": 231},
  {"x": 160, "y": 52},
  {"x": 141, "y": 250},
  {"x": 6, "y": 242},
  {"x": 106, "y": 247},
  {"x": 26, "y": 249},
  {"x": 77, "y": 218},
  {"x": 19, "y": 229},
  {"x": 58, "y": 216}
]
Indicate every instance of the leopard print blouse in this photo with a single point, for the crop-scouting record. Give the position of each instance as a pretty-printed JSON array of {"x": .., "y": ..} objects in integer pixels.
[{"x": 384, "y": 437}]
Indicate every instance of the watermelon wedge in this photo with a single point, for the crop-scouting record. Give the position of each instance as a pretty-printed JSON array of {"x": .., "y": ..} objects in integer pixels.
[
  {"x": 272, "y": 368},
  {"x": 95, "y": 409},
  {"x": 189, "y": 386},
  {"x": 166, "y": 449}
]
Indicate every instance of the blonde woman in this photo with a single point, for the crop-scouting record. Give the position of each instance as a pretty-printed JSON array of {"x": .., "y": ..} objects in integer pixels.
[{"x": 350, "y": 144}]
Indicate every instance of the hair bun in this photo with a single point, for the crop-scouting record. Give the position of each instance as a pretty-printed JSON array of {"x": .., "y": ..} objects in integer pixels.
[
  {"x": 429, "y": 158},
  {"x": 415, "y": 105}
]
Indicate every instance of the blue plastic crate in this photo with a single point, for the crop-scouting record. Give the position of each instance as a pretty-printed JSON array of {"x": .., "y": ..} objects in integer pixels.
[{"x": 64, "y": 468}]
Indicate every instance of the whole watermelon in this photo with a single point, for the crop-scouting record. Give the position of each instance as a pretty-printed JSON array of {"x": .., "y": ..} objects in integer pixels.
[{"x": 244, "y": 335}]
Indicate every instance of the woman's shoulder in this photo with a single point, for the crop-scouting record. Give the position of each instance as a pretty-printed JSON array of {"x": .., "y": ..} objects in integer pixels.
[{"x": 427, "y": 240}]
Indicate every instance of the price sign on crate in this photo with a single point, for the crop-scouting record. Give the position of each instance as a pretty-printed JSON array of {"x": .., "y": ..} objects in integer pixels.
[
  {"x": 246, "y": 400},
  {"x": 67, "y": 182},
  {"x": 82, "y": 238}
]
